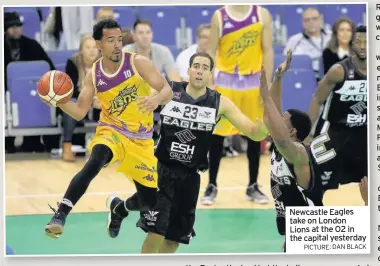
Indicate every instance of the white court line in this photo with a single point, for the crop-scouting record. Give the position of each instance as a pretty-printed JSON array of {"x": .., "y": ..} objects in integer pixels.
[
  {"x": 33, "y": 196},
  {"x": 96, "y": 194}
]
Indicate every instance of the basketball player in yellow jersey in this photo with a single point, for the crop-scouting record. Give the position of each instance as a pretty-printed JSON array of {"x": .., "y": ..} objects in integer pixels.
[
  {"x": 122, "y": 83},
  {"x": 240, "y": 42}
]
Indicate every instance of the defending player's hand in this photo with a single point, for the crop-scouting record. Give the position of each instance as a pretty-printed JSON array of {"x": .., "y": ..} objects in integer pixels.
[
  {"x": 284, "y": 66},
  {"x": 264, "y": 90},
  {"x": 147, "y": 104}
]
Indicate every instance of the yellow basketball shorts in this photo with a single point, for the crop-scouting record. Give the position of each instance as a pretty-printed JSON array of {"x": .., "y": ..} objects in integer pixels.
[
  {"x": 248, "y": 101},
  {"x": 136, "y": 156}
]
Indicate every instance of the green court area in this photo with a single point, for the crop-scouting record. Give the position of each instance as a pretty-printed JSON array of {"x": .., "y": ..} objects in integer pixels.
[{"x": 218, "y": 231}]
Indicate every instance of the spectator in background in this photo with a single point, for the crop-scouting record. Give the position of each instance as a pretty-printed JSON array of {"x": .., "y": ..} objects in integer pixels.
[
  {"x": 183, "y": 58},
  {"x": 53, "y": 28},
  {"x": 312, "y": 41},
  {"x": 108, "y": 13},
  {"x": 159, "y": 54},
  {"x": 340, "y": 45},
  {"x": 127, "y": 36},
  {"x": 18, "y": 47},
  {"x": 105, "y": 13},
  {"x": 76, "y": 67}
]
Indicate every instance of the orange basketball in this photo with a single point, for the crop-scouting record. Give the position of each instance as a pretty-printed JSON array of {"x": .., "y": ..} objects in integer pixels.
[{"x": 55, "y": 87}]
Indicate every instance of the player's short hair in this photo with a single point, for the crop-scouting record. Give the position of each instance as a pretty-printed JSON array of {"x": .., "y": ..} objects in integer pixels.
[
  {"x": 201, "y": 54},
  {"x": 143, "y": 22},
  {"x": 361, "y": 28},
  {"x": 301, "y": 122},
  {"x": 97, "y": 33}
]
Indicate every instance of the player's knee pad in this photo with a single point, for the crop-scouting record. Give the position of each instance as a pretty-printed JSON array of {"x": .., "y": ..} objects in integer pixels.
[{"x": 100, "y": 156}]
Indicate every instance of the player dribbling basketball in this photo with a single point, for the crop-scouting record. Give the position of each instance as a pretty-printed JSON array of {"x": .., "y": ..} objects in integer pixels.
[{"x": 121, "y": 81}]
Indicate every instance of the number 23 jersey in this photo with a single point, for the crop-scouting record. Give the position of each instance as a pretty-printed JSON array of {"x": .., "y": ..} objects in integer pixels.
[{"x": 186, "y": 128}]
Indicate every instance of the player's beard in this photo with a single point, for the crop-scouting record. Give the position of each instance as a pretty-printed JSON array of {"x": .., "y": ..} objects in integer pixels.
[
  {"x": 360, "y": 57},
  {"x": 115, "y": 58}
]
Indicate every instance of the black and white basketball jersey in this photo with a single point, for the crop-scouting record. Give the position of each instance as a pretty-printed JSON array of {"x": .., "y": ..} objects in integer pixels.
[
  {"x": 287, "y": 193},
  {"x": 187, "y": 125},
  {"x": 347, "y": 103}
]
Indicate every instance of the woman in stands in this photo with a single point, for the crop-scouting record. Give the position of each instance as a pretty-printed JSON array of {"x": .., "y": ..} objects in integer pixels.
[
  {"x": 76, "y": 67},
  {"x": 340, "y": 44}
]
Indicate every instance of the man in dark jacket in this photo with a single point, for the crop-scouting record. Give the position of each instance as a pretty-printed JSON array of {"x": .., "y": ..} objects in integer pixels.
[{"x": 17, "y": 47}]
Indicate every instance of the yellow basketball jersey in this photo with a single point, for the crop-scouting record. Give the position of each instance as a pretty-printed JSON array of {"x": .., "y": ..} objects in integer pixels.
[
  {"x": 118, "y": 94},
  {"x": 240, "y": 50}
]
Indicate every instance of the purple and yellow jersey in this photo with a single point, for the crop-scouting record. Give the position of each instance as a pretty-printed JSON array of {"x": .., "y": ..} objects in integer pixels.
[
  {"x": 238, "y": 65},
  {"x": 118, "y": 94},
  {"x": 240, "y": 50}
]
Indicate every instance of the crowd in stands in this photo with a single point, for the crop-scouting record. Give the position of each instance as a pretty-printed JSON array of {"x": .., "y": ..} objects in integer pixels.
[{"x": 69, "y": 28}]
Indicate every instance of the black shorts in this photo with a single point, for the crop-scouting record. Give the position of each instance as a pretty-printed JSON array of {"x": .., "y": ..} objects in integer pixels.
[
  {"x": 174, "y": 213},
  {"x": 340, "y": 153}
]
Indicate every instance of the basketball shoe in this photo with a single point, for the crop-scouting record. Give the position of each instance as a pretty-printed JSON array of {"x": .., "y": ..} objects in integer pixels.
[
  {"x": 54, "y": 229},
  {"x": 114, "y": 218}
]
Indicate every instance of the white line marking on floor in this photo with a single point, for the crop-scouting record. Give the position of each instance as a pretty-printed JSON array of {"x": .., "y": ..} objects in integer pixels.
[{"x": 95, "y": 194}]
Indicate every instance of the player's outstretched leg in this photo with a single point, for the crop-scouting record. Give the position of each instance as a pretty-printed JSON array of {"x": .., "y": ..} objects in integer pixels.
[
  {"x": 100, "y": 156},
  {"x": 143, "y": 200}
]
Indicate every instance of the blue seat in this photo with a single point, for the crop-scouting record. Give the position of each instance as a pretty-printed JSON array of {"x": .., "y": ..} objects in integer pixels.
[
  {"x": 298, "y": 89},
  {"x": 274, "y": 10},
  {"x": 28, "y": 111},
  {"x": 59, "y": 58},
  {"x": 197, "y": 15},
  {"x": 165, "y": 20},
  {"x": 125, "y": 16},
  {"x": 45, "y": 11},
  {"x": 353, "y": 11},
  {"x": 19, "y": 9},
  {"x": 278, "y": 49}
]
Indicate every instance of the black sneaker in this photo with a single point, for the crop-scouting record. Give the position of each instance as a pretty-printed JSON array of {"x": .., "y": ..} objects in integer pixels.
[
  {"x": 114, "y": 219},
  {"x": 253, "y": 193},
  {"x": 54, "y": 229},
  {"x": 210, "y": 195}
]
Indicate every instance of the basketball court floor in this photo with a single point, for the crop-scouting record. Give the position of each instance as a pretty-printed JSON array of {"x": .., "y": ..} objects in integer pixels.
[{"x": 232, "y": 225}]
